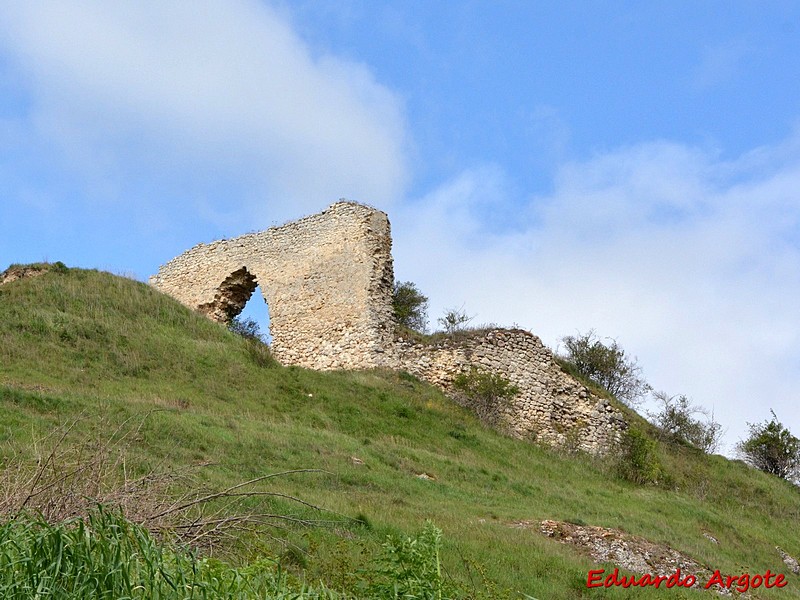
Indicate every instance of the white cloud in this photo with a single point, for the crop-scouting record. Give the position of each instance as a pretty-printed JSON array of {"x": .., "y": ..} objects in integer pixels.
[
  {"x": 692, "y": 263},
  {"x": 203, "y": 93},
  {"x": 217, "y": 111}
]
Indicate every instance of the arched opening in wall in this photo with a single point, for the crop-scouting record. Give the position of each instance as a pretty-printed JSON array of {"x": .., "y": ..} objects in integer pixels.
[
  {"x": 234, "y": 298},
  {"x": 256, "y": 311}
]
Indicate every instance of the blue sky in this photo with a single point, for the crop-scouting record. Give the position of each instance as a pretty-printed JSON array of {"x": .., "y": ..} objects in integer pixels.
[{"x": 628, "y": 167}]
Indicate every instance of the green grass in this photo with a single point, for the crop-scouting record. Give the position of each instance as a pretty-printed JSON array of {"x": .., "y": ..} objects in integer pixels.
[
  {"x": 105, "y": 556},
  {"x": 101, "y": 350}
]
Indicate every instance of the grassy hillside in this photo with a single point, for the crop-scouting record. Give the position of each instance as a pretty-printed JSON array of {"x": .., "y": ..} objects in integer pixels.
[{"x": 105, "y": 354}]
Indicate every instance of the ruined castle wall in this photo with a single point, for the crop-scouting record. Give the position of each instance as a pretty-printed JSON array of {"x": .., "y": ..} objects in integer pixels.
[
  {"x": 551, "y": 406},
  {"x": 327, "y": 280}
]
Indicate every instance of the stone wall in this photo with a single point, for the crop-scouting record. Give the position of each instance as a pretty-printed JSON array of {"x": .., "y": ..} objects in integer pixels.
[
  {"x": 551, "y": 406},
  {"x": 327, "y": 280}
]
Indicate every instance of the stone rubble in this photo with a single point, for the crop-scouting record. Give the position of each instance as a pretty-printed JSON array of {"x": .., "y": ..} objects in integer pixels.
[
  {"x": 630, "y": 552},
  {"x": 789, "y": 561},
  {"x": 633, "y": 553}
]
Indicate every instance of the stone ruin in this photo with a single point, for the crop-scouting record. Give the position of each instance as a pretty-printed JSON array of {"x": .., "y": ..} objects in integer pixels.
[{"x": 328, "y": 281}]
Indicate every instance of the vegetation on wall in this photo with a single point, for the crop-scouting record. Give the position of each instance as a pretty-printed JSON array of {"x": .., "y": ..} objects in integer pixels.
[
  {"x": 483, "y": 390},
  {"x": 410, "y": 306},
  {"x": 454, "y": 320}
]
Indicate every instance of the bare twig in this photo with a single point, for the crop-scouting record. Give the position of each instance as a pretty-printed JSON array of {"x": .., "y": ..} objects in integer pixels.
[{"x": 71, "y": 479}]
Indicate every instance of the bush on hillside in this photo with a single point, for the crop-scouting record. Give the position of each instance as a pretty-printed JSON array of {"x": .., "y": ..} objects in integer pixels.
[
  {"x": 772, "y": 448},
  {"x": 638, "y": 460},
  {"x": 607, "y": 365},
  {"x": 410, "y": 567},
  {"x": 247, "y": 328},
  {"x": 677, "y": 422},
  {"x": 257, "y": 348}
]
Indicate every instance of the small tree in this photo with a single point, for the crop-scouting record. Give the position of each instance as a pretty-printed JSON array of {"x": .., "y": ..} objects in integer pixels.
[
  {"x": 607, "y": 365},
  {"x": 677, "y": 422},
  {"x": 410, "y": 306},
  {"x": 454, "y": 320},
  {"x": 772, "y": 449}
]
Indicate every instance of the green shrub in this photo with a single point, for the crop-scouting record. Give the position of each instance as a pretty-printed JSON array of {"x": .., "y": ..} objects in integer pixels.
[
  {"x": 772, "y": 448},
  {"x": 247, "y": 328},
  {"x": 410, "y": 568},
  {"x": 639, "y": 461},
  {"x": 677, "y": 423},
  {"x": 257, "y": 348},
  {"x": 410, "y": 306},
  {"x": 607, "y": 365},
  {"x": 59, "y": 267},
  {"x": 484, "y": 391}
]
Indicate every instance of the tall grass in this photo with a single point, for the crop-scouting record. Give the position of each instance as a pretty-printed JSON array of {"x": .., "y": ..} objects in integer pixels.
[{"x": 106, "y": 556}]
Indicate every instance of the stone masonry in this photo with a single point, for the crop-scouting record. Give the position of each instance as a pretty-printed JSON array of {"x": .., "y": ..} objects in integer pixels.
[
  {"x": 328, "y": 279},
  {"x": 551, "y": 406}
]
